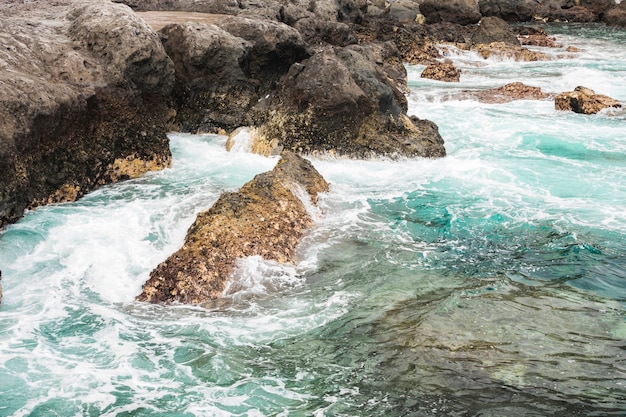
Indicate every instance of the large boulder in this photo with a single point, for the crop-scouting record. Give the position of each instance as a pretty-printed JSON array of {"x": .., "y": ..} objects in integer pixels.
[
  {"x": 617, "y": 15},
  {"x": 584, "y": 100},
  {"x": 267, "y": 217},
  {"x": 222, "y": 70},
  {"x": 464, "y": 12},
  {"x": 442, "y": 71},
  {"x": 339, "y": 101},
  {"x": 83, "y": 89},
  {"x": 509, "y": 10},
  {"x": 493, "y": 29}
]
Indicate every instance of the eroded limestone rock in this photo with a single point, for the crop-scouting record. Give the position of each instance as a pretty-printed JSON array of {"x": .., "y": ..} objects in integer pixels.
[
  {"x": 442, "y": 71},
  {"x": 267, "y": 217}
]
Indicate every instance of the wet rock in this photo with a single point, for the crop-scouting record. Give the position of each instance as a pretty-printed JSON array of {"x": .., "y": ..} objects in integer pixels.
[
  {"x": 509, "y": 10},
  {"x": 584, "y": 100},
  {"x": 617, "y": 15},
  {"x": 535, "y": 36},
  {"x": 574, "y": 10},
  {"x": 442, "y": 71},
  {"x": 493, "y": 29},
  {"x": 507, "y": 93},
  {"x": 267, "y": 217},
  {"x": 504, "y": 51},
  {"x": 404, "y": 11},
  {"x": 83, "y": 89},
  {"x": 464, "y": 12},
  {"x": 339, "y": 101}
]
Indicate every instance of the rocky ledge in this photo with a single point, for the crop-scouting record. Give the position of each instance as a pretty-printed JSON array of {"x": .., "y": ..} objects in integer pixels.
[
  {"x": 82, "y": 92},
  {"x": 584, "y": 100},
  {"x": 266, "y": 217}
]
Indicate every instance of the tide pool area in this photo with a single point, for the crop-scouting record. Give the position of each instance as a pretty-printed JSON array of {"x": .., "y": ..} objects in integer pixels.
[{"x": 490, "y": 282}]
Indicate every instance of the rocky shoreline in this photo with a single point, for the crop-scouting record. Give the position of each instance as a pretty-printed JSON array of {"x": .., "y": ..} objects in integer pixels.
[{"x": 89, "y": 89}]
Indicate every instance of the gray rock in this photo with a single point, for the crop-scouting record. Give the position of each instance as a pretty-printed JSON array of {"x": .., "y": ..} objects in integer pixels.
[
  {"x": 464, "y": 12},
  {"x": 83, "y": 89},
  {"x": 493, "y": 29}
]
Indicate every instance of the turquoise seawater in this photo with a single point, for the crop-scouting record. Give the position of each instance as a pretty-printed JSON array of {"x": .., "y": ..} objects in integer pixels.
[{"x": 491, "y": 282}]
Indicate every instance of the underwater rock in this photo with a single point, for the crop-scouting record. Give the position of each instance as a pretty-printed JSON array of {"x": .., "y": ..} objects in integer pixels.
[
  {"x": 442, "y": 71},
  {"x": 584, "y": 100},
  {"x": 83, "y": 89},
  {"x": 340, "y": 102},
  {"x": 267, "y": 217}
]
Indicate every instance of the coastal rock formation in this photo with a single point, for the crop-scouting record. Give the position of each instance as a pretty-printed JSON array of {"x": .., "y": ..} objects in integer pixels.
[
  {"x": 617, "y": 15},
  {"x": 223, "y": 70},
  {"x": 83, "y": 89},
  {"x": 493, "y": 29},
  {"x": 509, "y": 10},
  {"x": 341, "y": 102},
  {"x": 506, "y": 93},
  {"x": 267, "y": 217},
  {"x": 535, "y": 36},
  {"x": 442, "y": 71},
  {"x": 584, "y": 100},
  {"x": 464, "y": 12}
]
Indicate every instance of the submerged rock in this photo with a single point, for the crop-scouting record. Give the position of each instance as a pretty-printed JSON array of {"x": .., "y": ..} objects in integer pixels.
[
  {"x": 442, "y": 71},
  {"x": 267, "y": 217},
  {"x": 83, "y": 88},
  {"x": 584, "y": 100}
]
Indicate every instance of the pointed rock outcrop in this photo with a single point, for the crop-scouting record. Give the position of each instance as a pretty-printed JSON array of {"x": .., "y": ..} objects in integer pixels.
[
  {"x": 584, "y": 100},
  {"x": 267, "y": 217}
]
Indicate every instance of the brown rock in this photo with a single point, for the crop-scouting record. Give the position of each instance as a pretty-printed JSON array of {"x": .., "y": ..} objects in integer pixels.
[
  {"x": 617, "y": 15},
  {"x": 442, "y": 71},
  {"x": 516, "y": 53},
  {"x": 83, "y": 93},
  {"x": 507, "y": 93},
  {"x": 584, "y": 100},
  {"x": 493, "y": 29},
  {"x": 266, "y": 217},
  {"x": 535, "y": 36}
]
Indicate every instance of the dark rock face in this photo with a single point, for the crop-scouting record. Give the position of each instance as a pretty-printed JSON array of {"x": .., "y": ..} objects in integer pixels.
[
  {"x": 265, "y": 217},
  {"x": 442, "y": 71},
  {"x": 221, "y": 72},
  {"x": 493, "y": 29},
  {"x": 574, "y": 10},
  {"x": 584, "y": 100},
  {"x": 509, "y": 10},
  {"x": 82, "y": 101},
  {"x": 617, "y": 15},
  {"x": 464, "y": 12},
  {"x": 338, "y": 101}
]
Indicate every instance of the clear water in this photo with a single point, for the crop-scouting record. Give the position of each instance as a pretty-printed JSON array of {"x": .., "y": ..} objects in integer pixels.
[{"x": 491, "y": 282}]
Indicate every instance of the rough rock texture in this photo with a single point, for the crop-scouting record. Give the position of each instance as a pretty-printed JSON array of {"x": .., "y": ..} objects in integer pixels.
[
  {"x": 339, "y": 101},
  {"x": 584, "y": 100},
  {"x": 535, "y": 36},
  {"x": 221, "y": 72},
  {"x": 506, "y": 93},
  {"x": 83, "y": 87},
  {"x": 442, "y": 71},
  {"x": 509, "y": 10},
  {"x": 617, "y": 15},
  {"x": 515, "y": 53},
  {"x": 493, "y": 29},
  {"x": 266, "y": 217},
  {"x": 573, "y": 10},
  {"x": 464, "y": 12}
]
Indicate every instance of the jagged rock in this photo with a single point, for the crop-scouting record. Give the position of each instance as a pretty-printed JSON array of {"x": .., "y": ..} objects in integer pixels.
[
  {"x": 404, "y": 11},
  {"x": 266, "y": 217},
  {"x": 338, "y": 101},
  {"x": 83, "y": 88},
  {"x": 450, "y": 32},
  {"x": 493, "y": 29},
  {"x": 574, "y": 10},
  {"x": 617, "y": 15},
  {"x": 502, "y": 50},
  {"x": 442, "y": 71},
  {"x": 535, "y": 36},
  {"x": 509, "y": 10},
  {"x": 506, "y": 93},
  {"x": 221, "y": 72},
  {"x": 584, "y": 100},
  {"x": 464, "y": 12}
]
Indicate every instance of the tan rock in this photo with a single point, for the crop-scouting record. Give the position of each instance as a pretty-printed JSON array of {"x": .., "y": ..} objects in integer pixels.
[
  {"x": 584, "y": 100},
  {"x": 267, "y": 217},
  {"x": 502, "y": 50},
  {"x": 442, "y": 71},
  {"x": 507, "y": 93}
]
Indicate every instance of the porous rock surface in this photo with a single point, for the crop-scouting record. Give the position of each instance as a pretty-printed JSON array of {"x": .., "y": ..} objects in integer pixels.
[
  {"x": 82, "y": 92},
  {"x": 267, "y": 217},
  {"x": 617, "y": 15},
  {"x": 442, "y": 71},
  {"x": 506, "y": 93},
  {"x": 584, "y": 100}
]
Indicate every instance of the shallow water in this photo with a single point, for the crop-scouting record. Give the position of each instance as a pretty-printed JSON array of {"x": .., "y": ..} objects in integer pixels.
[{"x": 491, "y": 282}]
